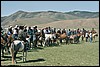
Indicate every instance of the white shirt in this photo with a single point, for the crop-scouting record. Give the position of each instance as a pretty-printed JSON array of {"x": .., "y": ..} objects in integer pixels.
[
  {"x": 86, "y": 35},
  {"x": 14, "y": 31},
  {"x": 44, "y": 31},
  {"x": 90, "y": 34}
]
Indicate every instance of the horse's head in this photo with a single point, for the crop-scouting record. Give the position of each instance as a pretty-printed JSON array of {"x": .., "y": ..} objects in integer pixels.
[{"x": 96, "y": 34}]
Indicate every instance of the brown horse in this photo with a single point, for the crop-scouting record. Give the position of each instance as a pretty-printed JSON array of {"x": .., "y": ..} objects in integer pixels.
[
  {"x": 4, "y": 44},
  {"x": 62, "y": 37},
  {"x": 39, "y": 39}
]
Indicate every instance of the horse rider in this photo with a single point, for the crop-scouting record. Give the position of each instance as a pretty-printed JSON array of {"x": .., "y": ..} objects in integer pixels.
[{"x": 93, "y": 31}]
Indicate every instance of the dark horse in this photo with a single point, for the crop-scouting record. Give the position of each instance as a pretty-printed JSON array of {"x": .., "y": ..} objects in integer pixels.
[{"x": 75, "y": 38}]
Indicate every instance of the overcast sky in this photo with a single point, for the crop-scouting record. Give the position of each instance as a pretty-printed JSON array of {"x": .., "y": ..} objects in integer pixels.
[{"x": 10, "y": 7}]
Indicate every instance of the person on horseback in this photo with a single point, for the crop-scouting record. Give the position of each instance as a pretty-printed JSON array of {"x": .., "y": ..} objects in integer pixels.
[
  {"x": 15, "y": 33},
  {"x": 93, "y": 31}
]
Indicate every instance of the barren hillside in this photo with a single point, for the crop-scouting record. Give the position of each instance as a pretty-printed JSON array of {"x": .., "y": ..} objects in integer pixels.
[{"x": 77, "y": 23}]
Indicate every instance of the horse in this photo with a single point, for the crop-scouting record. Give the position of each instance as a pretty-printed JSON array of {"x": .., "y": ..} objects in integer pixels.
[
  {"x": 93, "y": 36},
  {"x": 38, "y": 39},
  {"x": 49, "y": 39},
  {"x": 75, "y": 38},
  {"x": 16, "y": 46},
  {"x": 4, "y": 44},
  {"x": 62, "y": 37}
]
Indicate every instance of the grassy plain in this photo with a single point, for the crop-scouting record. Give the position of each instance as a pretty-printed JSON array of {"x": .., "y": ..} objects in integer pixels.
[{"x": 82, "y": 54}]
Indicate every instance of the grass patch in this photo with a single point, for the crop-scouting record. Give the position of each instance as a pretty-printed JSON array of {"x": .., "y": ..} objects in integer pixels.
[{"x": 83, "y": 54}]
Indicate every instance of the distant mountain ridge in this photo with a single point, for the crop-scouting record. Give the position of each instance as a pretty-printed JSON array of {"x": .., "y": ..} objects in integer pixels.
[
  {"x": 42, "y": 17},
  {"x": 84, "y": 14}
]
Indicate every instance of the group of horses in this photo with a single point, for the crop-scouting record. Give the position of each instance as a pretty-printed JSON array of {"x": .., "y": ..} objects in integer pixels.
[{"x": 46, "y": 40}]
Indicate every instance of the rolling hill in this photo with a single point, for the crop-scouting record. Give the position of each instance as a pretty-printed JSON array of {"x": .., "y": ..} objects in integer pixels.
[
  {"x": 44, "y": 17},
  {"x": 76, "y": 23}
]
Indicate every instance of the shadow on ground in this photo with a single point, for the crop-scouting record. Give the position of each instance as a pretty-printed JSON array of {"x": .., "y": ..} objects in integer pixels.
[{"x": 37, "y": 60}]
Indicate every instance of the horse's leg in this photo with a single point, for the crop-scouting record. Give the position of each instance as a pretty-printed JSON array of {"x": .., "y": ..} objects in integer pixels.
[
  {"x": 8, "y": 49},
  {"x": 71, "y": 41},
  {"x": 23, "y": 56},
  {"x": 2, "y": 48},
  {"x": 15, "y": 53},
  {"x": 66, "y": 40},
  {"x": 12, "y": 53},
  {"x": 30, "y": 43},
  {"x": 35, "y": 43},
  {"x": 46, "y": 42},
  {"x": 94, "y": 38},
  {"x": 60, "y": 40},
  {"x": 82, "y": 38},
  {"x": 41, "y": 43},
  {"x": 51, "y": 42}
]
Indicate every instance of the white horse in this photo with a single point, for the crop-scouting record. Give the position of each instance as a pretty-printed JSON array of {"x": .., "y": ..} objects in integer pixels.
[
  {"x": 16, "y": 46},
  {"x": 49, "y": 38},
  {"x": 94, "y": 35}
]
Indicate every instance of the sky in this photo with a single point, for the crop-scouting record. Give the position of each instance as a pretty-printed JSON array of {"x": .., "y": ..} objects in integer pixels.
[{"x": 10, "y": 7}]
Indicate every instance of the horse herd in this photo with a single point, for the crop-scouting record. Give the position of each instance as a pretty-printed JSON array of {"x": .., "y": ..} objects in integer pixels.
[{"x": 11, "y": 45}]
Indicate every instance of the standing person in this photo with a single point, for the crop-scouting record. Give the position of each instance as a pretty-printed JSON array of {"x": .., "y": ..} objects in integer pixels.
[
  {"x": 69, "y": 32},
  {"x": 83, "y": 34},
  {"x": 36, "y": 36},
  {"x": 78, "y": 30},
  {"x": 86, "y": 35},
  {"x": 90, "y": 35},
  {"x": 63, "y": 31},
  {"x": 30, "y": 33}
]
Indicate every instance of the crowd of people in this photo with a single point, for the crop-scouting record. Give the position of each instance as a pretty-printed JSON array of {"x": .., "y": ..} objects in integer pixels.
[
  {"x": 24, "y": 32},
  {"x": 28, "y": 37}
]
